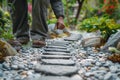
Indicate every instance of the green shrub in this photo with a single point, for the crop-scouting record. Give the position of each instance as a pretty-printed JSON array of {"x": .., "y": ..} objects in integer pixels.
[
  {"x": 104, "y": 24},
  {"x": 5, "y": 25}
]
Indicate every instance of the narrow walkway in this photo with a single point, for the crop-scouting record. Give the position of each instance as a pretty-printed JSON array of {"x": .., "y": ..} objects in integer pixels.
[{"x": 60, "y": 59}]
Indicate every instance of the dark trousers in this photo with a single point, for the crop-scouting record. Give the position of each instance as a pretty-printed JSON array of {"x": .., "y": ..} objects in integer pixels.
[{"x": 19, "y": 13}]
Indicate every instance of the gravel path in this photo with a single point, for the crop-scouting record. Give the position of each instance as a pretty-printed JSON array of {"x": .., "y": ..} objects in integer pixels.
[{"x": 60, "y": 60}]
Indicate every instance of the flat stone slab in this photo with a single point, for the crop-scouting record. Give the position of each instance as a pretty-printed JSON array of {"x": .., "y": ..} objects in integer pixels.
[
  {"x": 56, "y": 53},
  {"x": 54, "y": 78},
  {"x": 59, "y": 42},
  {"x": 73, "y": 37},
  {"x": 55, "y": 57},
  {"x": 59, "y": 47},
  {"x": 58, "y": 62},
  {"x": 112, "y": 41},
  {"x": 56, "y": 70},
  {"x": 57, "y": 50}
]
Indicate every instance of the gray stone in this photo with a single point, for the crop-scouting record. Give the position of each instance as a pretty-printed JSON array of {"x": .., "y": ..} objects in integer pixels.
[
  {"x": 57, "y": 50},
  {"x": 17, "y": 77},
  {"x": 114, "y": 76},
  {"x": 91, "y": 42},
  {"x": 34, "y": 77},
  {"x": 30, "y": 66},
  {"x": 14, "y": 72},
  {"x": 1, "y": 73},
  {"x": 14, "y": 67},
  {"x": 86, "y": 62},
  {"x": 21, "y": 66},
  {"x": 98, "y": 64},
  {"x": 117, "y": 78},
  {"x": 113, "y": 69},
  {"x": 82, "y": 71},
  {"x": 58, "y": 43},
  {"x": 2, "y": 78},
  {"x": 56, "y": 69},
  {"x": 58, "y": 62},
  {"x": 93, "y": 55},
  {"x": 1, "y": 66},
  {"x": 117, "y": 65},
  {"x": 112, "y": 41},
  {"x": 99, "y": 76},
  {"x": 6, "y": 72},
  {"x": 73, "y": 37},
  {"x": 59, "y": 47},
  {"x": 55, "y": 57},
  {"x": 55, "y": 78},
  {"x": 56, "y": 53},
  {"x": 94, "y": 68},
  {"x": 87, "y": 74},
  {"x": 89, "y": 49},
  {"x": 108, "y": 76},
  {"x": 6, "y": 66},
  {"x": 52, "y": 30},
  {"x": 108, "y": 63},
  {"x": 100, "y": 72},
  {"x": 77, "y": 77},
  {"x": 118, "y": 74}
]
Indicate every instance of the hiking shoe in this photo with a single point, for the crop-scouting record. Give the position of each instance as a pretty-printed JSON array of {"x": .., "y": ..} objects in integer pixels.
[
  {"x": 38, "y": 43},
  {"x": 23, "y": 40}
]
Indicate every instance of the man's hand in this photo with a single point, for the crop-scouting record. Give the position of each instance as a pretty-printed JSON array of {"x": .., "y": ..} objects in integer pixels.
[{"x": 60, "y": 23}]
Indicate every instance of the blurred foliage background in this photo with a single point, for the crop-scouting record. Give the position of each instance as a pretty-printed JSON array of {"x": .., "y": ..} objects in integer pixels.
[{"x": 83, "y": 15}]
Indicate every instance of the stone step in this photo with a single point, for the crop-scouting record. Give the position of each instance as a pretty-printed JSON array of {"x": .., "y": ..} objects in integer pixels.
[
  {"x": 43, "y": 77},
  {"x": 55, "y": 78},
  {"x": 55, "y": 57},
  {"x": 58, "y": 42},
  {"x": 56, "y": 53},
  {"x": 58, "y": 47},
  {"x": 57, "y": 50},
  {"x": 58, "y": 62},
  {"x": 61, "y": 45},
  {"x": 73, "y": 37},
  {"x": 56, "y": 70}
]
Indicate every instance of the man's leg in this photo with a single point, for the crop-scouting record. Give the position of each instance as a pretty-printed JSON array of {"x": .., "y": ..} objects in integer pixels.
[
  {"x": 19, "y": 11},
  {"x": 39, "y": 26}
]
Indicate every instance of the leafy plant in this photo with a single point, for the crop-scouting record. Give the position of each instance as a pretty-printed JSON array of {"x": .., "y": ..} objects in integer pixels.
[
  {"x": 104, "y": 24},
  {"x": 5, "y": 25},
  {"x": 116, "y": 14}
]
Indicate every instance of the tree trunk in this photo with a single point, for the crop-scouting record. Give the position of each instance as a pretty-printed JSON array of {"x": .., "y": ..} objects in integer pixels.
[
  {"x": 80, "y": 2},
  {"x": 67, "y": 12}
]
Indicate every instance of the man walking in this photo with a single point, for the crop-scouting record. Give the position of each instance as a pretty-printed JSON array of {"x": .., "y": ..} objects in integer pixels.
[{"x": 39, "y": 29}]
